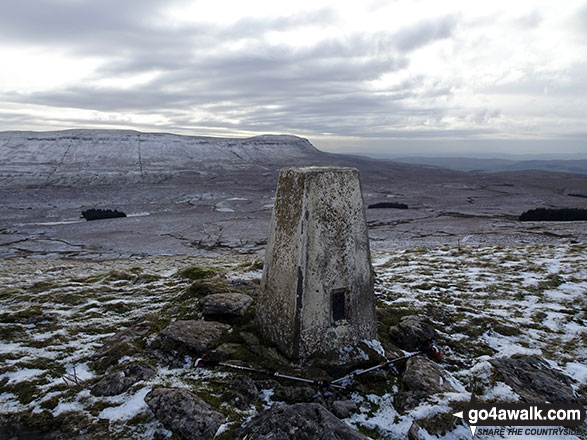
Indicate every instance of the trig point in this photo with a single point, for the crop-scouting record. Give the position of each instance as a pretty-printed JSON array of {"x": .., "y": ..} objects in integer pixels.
[{"x": 317, "y": 288}]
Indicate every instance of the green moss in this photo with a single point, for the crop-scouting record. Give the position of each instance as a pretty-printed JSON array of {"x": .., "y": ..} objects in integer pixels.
[
  {"x": 372, "y": 433},
  {"x": 256, "y": 264},
  {"x": 70, "y": 298},
  {"x": 119, "y": 275},
  {"x": 204, "y": 287},
  {"x": 42, "y": 286},
  {"x": 11, "y": 333},
  {"x": 146, "y": 278},
  {"x": 10, "y": 293},
  {"x": 197, "y": 272},
  {"x": 50, "y": 403},
  {"x": 21, "y": 315},
  {"x": 25, "y": 391},
  {"x": 118, "y": 307}
]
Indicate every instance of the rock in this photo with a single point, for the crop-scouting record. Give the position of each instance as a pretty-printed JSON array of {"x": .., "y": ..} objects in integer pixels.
[
  {"x": 193, "y": 336},
  {"x": 184, "y": 413},
  {"x": 245, "y": 386},
  {"x": 414, "y": 432},
  {"x": 226, "y": 351},
  {"x": 405, "y": 401},
  {"x": 302, "y": 421},
  {"x": 241, "y": 391},
  {"x": 121, "y": 380},
  {"x": 343, "y": 408},
  {"x": 228, "y": 305},
  {"x": 424, "y": 375},
  {"x": 43, "y": 318},
  {"x": 411, "y": 332},
  {"x": 293, "y": 394},
  {"x": 534, "y": 380}
]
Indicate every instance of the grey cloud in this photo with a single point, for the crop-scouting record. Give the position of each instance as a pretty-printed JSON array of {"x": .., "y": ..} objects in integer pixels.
[
  {"x": 424, "y": 33},
  {"x": 46, "y": 21},
  {"x": 317, "y": 89}
]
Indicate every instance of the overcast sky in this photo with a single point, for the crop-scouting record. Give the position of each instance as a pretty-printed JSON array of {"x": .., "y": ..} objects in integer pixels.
[{"x": 396, "y": 77}]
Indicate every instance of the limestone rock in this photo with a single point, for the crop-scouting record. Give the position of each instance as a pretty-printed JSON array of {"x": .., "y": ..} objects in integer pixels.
[
  {"x": 414, "y": 432},
  {"x": 121, "y": 380},
  {"x": 405, "y": 401},
  {"x": 411, "y": 332},
  {"x": 293, "y": 394},
  {"x": 302, "y": 421},
  {"x": 534, "y": 380},
  {"x": 226, "y": 304},
  {"x": 184, "y": 413},
  {"x": 424, "y": 375},
  {"x": 244, "y": 385},
  {"x": 343, "y": 408},
  {"x": 193, "y": 336}
]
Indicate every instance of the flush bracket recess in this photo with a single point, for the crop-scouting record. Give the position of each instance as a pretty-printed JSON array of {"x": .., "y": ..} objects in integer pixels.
[{"x": 338, "y": 299}]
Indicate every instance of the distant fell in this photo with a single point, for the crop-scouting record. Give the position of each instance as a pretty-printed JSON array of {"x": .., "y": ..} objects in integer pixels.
[
  {"x": 84, "y": 157},
  {"x": 482, "y": 165}
]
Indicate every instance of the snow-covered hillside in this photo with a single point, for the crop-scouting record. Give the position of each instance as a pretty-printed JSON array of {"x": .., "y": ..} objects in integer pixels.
[
  {"x": 486, "y": 303},
  {"x": 113, "y": 156}
]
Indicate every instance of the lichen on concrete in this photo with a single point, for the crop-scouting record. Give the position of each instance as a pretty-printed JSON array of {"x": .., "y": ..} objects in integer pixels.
[{"x": 318, "y": 247}]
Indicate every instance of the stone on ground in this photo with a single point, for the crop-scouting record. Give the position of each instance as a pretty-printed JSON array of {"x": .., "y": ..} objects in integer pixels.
[
  {"x": 302, "y": 421},
  {"x": 193, "y": 336},
  {"x": 534, "y": 380},
  {"x": 121, "y": 380},
  {"x": 184, "y": 413},
  {"x": 424, "y": 375},
  {"x": 226, "y": 304},
  {"x": 411, "y": 332}
]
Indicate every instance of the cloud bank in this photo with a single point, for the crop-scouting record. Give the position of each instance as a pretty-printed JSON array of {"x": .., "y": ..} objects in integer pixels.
[{"x": 376, "y": 77}]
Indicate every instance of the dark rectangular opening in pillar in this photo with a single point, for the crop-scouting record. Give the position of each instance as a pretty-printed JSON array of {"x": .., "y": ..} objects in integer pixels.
[{"x": 337, "y": 304}]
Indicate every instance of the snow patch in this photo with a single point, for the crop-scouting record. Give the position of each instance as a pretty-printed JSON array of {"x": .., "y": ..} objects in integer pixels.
[{"x": 133, "y": 406}]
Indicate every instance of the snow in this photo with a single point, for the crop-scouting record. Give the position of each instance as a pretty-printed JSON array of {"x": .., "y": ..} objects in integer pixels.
[
  {"x": 21, "y": 375},
  {"x": 500, "y": 393},
  {"x": 67, "y": 407},
  {"x": 577, "y": 370},
  {"x": 375, "y": 345},
  {"x": 223, "y": 209},
  {"x": 497, "y": 288},
  {"x": 134, "y": 405},
  {"x": 81, "y": 371}
]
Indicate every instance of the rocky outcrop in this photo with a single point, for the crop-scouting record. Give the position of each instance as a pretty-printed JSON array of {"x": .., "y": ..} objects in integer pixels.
[
  {"x": 226, "y": 305},
  {"x": 534, "y": 380},
  {"x": 193, "y": 336},
  {"x": 184, "y": 413},
  {"x": 241, "y": 392},
  {"x": 302, "y": 421},
  {"x": 121, "y": 380},
  {"x": 405, "y": 401},
  {"x": 343, "y": 408},
  {"x": 411, "y": 332},
  {"x": 427, "y": 377}
]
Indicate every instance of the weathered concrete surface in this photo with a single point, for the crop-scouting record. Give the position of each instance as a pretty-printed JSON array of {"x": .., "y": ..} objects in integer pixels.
[{"x": 317, "y": 258}]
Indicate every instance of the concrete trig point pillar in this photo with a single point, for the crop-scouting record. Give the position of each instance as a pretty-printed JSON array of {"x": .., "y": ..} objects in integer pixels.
[{"x": 317, "y": 288}]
